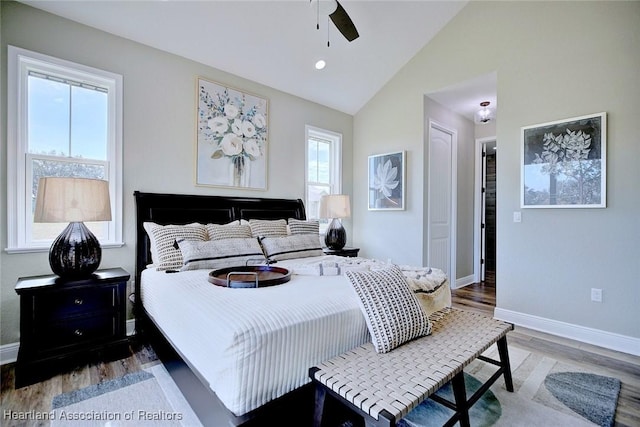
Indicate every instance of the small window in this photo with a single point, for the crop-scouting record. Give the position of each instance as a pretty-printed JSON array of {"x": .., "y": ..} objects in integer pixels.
[
  {"x": 324, "y": 171},
  {"x": 65, "y": 120}
]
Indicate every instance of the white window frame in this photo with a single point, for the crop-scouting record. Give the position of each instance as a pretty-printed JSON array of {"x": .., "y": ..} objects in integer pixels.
[
  {"x": 20, "y": 62},
  {"x": 335, "y": 172}
]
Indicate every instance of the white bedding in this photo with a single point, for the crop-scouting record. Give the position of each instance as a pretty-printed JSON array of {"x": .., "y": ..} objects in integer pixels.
[{"x": 233, "y": 338}]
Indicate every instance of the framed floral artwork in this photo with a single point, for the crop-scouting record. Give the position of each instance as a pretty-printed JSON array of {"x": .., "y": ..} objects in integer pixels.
[
  {"x": 232, "y": 137},
  {"x": 564, "y": 163},
  {"x": 386, "y": 181}
]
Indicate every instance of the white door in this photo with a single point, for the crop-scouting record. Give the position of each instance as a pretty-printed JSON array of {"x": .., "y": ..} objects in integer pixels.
[{"x": 442, "y": 199}]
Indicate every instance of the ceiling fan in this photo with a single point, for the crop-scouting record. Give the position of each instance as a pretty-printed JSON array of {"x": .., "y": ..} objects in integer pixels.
[{"x": 340, "y": 19}]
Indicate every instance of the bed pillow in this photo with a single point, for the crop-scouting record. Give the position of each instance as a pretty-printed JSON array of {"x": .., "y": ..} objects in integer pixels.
[
  {"x": 164, "y": 254},
  {"x": 294, "y": 246},
  {"x": 392, "y": 312},
  {"x": 268, "y": 228},
  {"x": 298, "y": 226},
  {"x": 232, "y": 230},
  {"x": 214, "y": 254}
]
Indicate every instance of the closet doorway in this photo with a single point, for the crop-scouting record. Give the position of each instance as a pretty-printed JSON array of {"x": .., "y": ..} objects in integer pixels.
[{"x": 486, "y": 195}]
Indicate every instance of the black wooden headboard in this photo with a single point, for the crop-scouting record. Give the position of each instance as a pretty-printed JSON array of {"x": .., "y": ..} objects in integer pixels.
[{"x": 183, "y": 209}]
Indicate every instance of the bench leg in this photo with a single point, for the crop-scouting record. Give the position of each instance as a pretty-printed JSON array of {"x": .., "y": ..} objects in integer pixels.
[
  {"x": 321, "y": 394},
  {"x": 460, "y": 395},
  {"x": 504, "y": 361}
]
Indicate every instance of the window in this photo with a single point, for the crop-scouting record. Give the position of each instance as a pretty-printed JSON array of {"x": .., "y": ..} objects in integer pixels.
[
  {"x": 64, "y": 119},
  {"x": 324, "y": 172}
]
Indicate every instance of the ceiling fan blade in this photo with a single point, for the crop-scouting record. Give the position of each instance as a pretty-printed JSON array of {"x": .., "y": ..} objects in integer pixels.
[{"x": 344, "y": 24}]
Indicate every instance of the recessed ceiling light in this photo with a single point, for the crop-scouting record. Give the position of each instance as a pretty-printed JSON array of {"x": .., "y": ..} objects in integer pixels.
[{"x": 320, "y": 64}]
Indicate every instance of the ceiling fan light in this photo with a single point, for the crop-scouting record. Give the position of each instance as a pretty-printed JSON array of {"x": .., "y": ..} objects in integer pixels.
[{"x": 327, "y": 7}]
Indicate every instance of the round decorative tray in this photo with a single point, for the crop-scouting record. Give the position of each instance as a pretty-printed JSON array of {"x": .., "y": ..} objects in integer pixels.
[{"x": 251, "y": 276}]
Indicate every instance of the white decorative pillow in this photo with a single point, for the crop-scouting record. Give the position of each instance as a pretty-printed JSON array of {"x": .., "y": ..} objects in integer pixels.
[
  {"x": 298, "y": 226},
  {"x": 232, "y": 230},
  {"x": 164, "y": 254},
  {"x": 392, "y": 312},
  {"x": 214, "y": 254},
  {"x": 294, "y": 246},
  {"x": 268, "y": 228}
]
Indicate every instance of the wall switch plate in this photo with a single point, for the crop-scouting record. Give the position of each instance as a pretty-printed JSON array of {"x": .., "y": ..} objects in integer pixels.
[
  {"x": 517, "y": 216},
  {"x": 596, "y": 295}
]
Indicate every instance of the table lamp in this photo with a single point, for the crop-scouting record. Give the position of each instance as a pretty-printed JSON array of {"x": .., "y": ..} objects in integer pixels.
[
  {"x": 335, "y": 206},
  {"x": 76, "y": 252}
]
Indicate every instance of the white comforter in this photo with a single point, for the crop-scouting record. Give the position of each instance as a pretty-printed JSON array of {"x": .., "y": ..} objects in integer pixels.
[
  {"x": 234, "y": 338},
  {"x": 254, "y": 345}
]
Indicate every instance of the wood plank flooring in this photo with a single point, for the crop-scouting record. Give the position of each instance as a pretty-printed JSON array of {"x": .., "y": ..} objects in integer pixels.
[
  {"x": 482, "y": 297},
  {"x": 478, "y": 297}
]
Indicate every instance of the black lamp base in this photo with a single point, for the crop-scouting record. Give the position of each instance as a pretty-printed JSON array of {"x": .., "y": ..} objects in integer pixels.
[
  {"x": 336, "y": 236},
  {"x": 75, "y": 253}
]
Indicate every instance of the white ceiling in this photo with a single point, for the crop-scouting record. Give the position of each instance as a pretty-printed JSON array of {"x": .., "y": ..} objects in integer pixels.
[{"x": 276, "y": 42}]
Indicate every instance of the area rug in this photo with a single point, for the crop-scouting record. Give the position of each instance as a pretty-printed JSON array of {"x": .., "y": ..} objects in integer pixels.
[
  {"x": 546, "y": 393},
  {"x": 145, "y": 398}
]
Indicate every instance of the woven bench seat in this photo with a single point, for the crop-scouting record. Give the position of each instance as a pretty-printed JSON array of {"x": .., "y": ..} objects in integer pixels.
[{"x": 385, "y": 387}]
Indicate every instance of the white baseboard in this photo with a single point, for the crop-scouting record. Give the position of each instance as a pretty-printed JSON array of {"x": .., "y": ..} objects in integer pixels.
[
  {"x": 464, "y": 281},
  {"x": 9, "y": 352},
  {"x": 584, "y": 334}
]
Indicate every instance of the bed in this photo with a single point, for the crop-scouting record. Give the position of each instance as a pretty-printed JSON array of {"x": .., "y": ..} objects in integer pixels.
[{"x": 241, "y": 356}]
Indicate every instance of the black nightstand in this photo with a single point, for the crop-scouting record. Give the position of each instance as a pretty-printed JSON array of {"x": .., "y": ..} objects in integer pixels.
[
  {"x": 67, "y": 322},
  {"x": 346, "y": 251}
]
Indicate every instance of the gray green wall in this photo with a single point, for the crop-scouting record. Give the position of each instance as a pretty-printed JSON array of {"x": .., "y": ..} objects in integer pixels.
[
  {"x": 159, "y": 130},
  {"x": 554, "y": 60}
]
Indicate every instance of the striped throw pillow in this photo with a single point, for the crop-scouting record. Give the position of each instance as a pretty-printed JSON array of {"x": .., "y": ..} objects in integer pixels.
[
  {"x": 214, "y": 254},
  {"x": 268, "y": 228},
  {"x": 232, "y": 230},
  {"x": 164, "y": 254},
  {"x": 298, "y": 226},
  {"x": 294, "y": 246},
  {"x": 392, "y": 312}
]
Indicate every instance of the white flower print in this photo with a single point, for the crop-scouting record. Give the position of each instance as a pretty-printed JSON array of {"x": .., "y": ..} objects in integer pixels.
[
  {"x": 252, "y": 148},
  {"x": 259, "y": 121},
  {"x": 385, "y": 179},
  {"x": 231, "y": 111},
  {"x": 231, "y": 145}
]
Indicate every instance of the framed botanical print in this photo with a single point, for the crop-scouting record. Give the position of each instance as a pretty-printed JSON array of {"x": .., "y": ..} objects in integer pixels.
[
  {"x": 386, "y": 181},
  {"x": 564, "y": 163},
  {"x": 232, "y": 137}
]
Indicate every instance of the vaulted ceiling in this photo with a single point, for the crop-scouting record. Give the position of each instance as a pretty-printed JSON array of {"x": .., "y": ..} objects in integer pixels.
[{"x": 276, "y": 43}]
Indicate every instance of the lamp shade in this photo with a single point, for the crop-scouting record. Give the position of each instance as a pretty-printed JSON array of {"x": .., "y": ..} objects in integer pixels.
[
  {"x": 72, "y": 200},
  {"x": 335, "y": 206},
  {"x": 76, "y": 252}
]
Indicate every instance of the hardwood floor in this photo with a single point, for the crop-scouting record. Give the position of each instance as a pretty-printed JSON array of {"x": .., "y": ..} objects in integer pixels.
[
  {"x": 482, "y": 297},
  {"x": 38, "y": 397},
  {"x": 478, "y": 297}
]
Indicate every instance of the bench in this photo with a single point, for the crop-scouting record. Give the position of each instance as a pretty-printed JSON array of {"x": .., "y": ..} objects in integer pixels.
[{"x": 385, "y": 387}]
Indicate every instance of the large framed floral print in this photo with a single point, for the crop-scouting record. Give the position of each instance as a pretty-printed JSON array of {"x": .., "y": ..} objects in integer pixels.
[
  {"x": 564, "y": 163},
  {"x": 386, "y": 181},
  {"x": 232, "y": 137}
]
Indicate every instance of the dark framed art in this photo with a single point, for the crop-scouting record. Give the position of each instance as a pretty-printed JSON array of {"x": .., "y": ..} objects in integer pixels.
[{"x": 564, "y": 163}]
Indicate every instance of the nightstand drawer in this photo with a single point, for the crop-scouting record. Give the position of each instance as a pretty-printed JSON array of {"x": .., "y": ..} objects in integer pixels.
[
  {"x": 65, "y": 322},
  {"x": 77, "y": 331},
  {"x": 74, "y": 302}
]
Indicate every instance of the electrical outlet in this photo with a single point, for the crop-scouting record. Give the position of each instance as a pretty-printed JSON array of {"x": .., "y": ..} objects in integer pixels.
[{"x": 596, "y": 295}]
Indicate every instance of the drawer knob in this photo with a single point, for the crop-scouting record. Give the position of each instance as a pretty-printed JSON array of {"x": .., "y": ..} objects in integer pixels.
[
  {"x": 78, "y": 332},
  {"x": 78, "y": 301}
]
